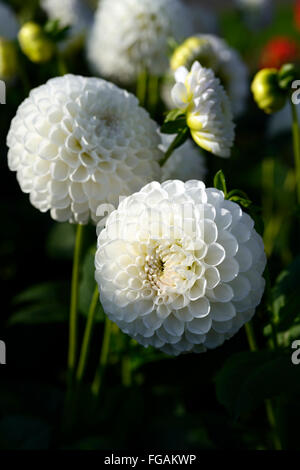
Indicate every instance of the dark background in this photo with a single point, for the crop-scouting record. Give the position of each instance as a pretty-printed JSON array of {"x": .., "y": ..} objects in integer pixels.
[{"x": 168, "y": 403}]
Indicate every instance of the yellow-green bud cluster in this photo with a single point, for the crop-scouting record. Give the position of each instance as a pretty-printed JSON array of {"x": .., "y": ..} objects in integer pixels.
[
  {"x": 271, "y": 87},
  {"x": 191, "y": 50},
  {"x": 35, "y": 44},
  {"x": 8, "y": 59}
]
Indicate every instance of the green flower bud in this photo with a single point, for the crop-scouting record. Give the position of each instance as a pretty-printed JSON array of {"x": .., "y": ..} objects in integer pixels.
[
  {"x": 192, "y": 49},
  {"x": 8, "y": 59},
  {"x": 35, "y": 44},
  {"x": 286, "y": 75},
  {"x": 267, "y": 92}
]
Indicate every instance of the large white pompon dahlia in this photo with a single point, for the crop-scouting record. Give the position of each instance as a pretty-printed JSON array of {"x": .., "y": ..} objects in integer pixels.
[
  {"x": 185, "y": 163},
  {"x": 79, "y": 142},
  {"x": 180, "y": 268},
  {"x": 129, "y": 36},
  {"x": 9, "y": 25},
  {"x": 202, "y": 97}
]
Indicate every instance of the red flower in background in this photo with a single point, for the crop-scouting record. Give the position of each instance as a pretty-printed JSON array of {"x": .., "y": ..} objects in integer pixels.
[{"x": 279, "y": 51}]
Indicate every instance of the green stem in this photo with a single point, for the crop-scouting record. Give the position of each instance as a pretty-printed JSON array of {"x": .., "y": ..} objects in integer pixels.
[
  {"x": 141, "y": 87},
  {"x": 170, "y": 150},
  {"x": 272, "y": 422},
  {"x": 61, "y": 64},
  {"x": 268, "y": 404},
  {"x": 251, "y": 337},
  {"x": 96, "y": 385},
  {"x": 126, "y": 371},
  {"x": 268, "y": 168},
  {"x": 85, "y": 348},
  {"x": 153, "y": 91},
  {"x": 72, "y": 355},
  {"x": 296, "y": 141}
]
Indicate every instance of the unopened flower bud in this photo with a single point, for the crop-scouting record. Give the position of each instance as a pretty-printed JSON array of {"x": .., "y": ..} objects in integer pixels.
[
  {"x": 34, "y": 43},
  {"x": 8, "y": 59},
  {"x": 286, "y": 75},
  {"x": 267, "y": 92},
  {"x": 192, "y": 49}
]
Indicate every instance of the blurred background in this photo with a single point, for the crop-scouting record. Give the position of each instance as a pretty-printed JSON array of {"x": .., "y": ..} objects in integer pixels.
[{"x": 149, "y": 400}]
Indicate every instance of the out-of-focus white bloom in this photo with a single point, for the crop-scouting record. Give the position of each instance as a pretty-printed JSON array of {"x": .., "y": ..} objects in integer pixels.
[
  {"x": 281, "y": 122},
  {"x": 207, "y": 107},
  {"x": 213, "y": 52},
  {"x": 129, "y": 36},
  {"x": 204, "y": 19},
  {"x": 257, "y": 14},
  {"x": 79, "y": 142},
  {"x": 73, "y": 13},
  {"x": 180, "y": 268},
  {"x": 185, "y": 163},
  {"x": 9, "y": 25}
]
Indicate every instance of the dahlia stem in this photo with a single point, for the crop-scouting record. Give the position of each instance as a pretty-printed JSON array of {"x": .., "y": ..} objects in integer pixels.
[
  {"x": 61, "y": 64},
  {"x": 141, "y": 87},
  {"x": 251, "y": 337},
  {"x": 153, "y": 89},
  {"x": 268, "y": 404},
  {"x": 126, "y": 371},
  {"x": 85, "y": 348},
  {"x": 98, "y": 380},
  {"x": 296, "y": 141},
  {"x": 267, "y": 182},
  {"x": 169, "y": 152},
  {"x": 73, "y": 307}
]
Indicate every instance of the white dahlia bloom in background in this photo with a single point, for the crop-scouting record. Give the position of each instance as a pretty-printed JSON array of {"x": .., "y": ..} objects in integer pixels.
[
  {"x": 281, "y": 122},
  {"x": 129, "y": 36},
  {"x": 180, "y": 268},
  {"x": 185, "y": 163},
  {"x": 9, "y": 25},
  {"x": 204, "y": 19},
  {"x": 212, "y": 52},
  {"x": 257, "y": 14},
  {"x": 201, "y": 96},
  {"x": 73, "y": 13},
  {"x": 78, "y": 142}
]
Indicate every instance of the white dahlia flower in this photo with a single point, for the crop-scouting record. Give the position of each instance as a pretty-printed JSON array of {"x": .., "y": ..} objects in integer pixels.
[
  {"x": 9, "y": 25},
  {"x": 213, "y": 52},
  {"x": 281, "y": 122},
  {"x": 204, "y": 19},
  {"x": 129, "y": 36},
  {"x": 207, "y": 107},
  {"x": 79, "y": 142},
  {"x": 185, "y": 163},
  {"x": 180, "y": 268}
]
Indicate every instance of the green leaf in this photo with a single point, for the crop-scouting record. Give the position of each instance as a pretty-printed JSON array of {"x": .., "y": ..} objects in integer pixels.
[
  {"x": 237, "y": 193},
  {"x": 42, "y": 303},
  {"x": 88, "y": 284},
  {"x": 285, "y": 295},
  {"x": 220, "y": 182},
  {"x": 174, "y": 123},
  {"x": 241, "y": 201},
  {"x": 249, "y": 378},
  {"x": 53, "y": 30},
  {"x": 39, "y": 314},
  {"x": 45, "y": 292}
]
